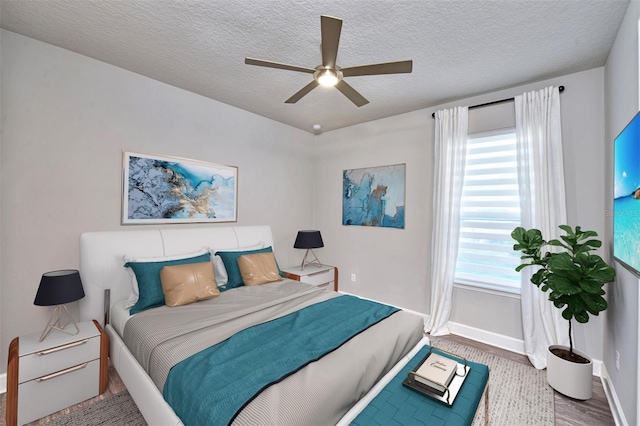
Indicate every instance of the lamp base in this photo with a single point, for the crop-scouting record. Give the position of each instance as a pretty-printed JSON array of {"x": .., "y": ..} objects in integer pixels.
[
  {"x": 315, "y": 260},
  {"x": 55, "y": 322}
]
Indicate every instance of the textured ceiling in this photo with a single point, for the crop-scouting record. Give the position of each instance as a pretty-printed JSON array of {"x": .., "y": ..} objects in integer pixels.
[{"x": 459, "y": 48}]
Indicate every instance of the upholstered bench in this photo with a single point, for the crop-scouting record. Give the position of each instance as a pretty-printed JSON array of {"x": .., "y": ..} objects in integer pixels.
[{"x": 399, "y": 405}]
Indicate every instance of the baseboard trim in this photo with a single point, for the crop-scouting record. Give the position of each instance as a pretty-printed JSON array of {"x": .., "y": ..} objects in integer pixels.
[
  {"x": 503, "y": 342},
  {"x": 488, "y": 337},
  {"x": 612, "y": 398},
  {"x": 3, "y": 383}
]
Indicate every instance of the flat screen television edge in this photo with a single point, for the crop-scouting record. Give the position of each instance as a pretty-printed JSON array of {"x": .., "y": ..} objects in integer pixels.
[{"x": 626, "y": 197}]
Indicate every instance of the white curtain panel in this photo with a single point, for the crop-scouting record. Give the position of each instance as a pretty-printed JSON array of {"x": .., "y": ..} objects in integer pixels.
[
  {"x": 451, "y": 128},
  {"x": 543, "y": 206}
]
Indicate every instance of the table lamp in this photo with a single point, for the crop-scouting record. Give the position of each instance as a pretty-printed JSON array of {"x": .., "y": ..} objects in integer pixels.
[
  {"x": 309, "y": 240},
  {"x": 56, "y": 289}
]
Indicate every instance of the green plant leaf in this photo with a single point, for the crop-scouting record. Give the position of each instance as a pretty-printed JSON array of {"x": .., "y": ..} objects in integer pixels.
[
  {"x": 563, "y": 284},
  {"x": 593, "y": 243},
  {"x": 558, "y": 304},
  {"x": 590, "y": 285},
  {"x": 558, "y": 243},
  {"x": 539, "y": 277},
  {"x": 582, "y": 317},
  {"x": 594, "y": 304},
  {"x": 567, "y": 229},
  {"x": 587, "y": 234}
]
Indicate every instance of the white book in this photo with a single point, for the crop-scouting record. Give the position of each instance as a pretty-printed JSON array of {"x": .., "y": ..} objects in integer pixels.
[{"x": 436, "y": 372}]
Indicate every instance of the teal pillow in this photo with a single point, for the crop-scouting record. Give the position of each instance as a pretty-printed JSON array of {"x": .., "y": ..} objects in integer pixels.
[
  {"x": 149, "y": 285},
  {"x": 230, "y": 260}
]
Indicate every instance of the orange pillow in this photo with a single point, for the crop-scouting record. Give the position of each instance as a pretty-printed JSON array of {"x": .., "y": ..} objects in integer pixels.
[
  {"x": 258, "y": 268},
  {"x": 188, "y": 283}
]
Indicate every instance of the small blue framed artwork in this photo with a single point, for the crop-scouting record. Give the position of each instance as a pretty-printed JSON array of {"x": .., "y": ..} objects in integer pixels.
[
  {"x": 160, "y": 189},
  {"x": 374, "y": 196}
]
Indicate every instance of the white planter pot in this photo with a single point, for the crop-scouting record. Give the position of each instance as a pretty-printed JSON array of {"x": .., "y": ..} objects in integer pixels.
[{"x": 569, "y": 378}]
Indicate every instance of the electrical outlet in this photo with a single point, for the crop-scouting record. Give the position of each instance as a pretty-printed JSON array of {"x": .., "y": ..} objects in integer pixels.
[
  {"x": 617, "y": 360},
  {"x": 353, "y": 278}
]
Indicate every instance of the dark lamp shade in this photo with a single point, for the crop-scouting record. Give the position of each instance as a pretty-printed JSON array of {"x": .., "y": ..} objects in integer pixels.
[
  {"x": 59, "y": 287},
  {"x": 308, "y": 240}
]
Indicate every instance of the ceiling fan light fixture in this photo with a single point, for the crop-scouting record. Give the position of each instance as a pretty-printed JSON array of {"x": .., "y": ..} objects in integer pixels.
[
  {"x": 328, "y": 77},
  {"x": 329, "y": 74}
]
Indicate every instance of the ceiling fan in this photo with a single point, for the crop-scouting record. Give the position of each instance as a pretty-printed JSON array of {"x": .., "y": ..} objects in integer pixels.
[{"x": 329, "y": 73}]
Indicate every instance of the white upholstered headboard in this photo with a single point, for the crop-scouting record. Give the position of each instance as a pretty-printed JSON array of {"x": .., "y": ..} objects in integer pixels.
[{"x": 101, "y": 263}]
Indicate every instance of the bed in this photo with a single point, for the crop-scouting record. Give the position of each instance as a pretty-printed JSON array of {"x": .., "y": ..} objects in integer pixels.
[{"x": 330, "y": 386}]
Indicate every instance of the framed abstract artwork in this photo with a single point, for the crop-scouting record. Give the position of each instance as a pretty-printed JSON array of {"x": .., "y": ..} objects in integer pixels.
[
  {"x": 160, "y": 189},
  {"x": 374, "y": 196}
]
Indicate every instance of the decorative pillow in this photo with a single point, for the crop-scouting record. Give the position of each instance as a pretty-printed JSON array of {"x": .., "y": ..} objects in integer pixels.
[
  {"x": 218, "y": 264},
  {"x": 259, "y": 268},
  {"x": 184, "y": 284},
  {"x": 230, "y": 259},
  {"x": 148, "y": 280},
  {"x": 133, "y": 297}
]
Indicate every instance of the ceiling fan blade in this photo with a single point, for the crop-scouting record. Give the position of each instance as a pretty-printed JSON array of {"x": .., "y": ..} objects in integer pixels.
[
  {"x": 330, "y": 29},
  {"x": 306, "y": 89},
  {"x": 374, "y": 69},
  {"x": 270, "y": 64},
  {"x": 351, "y": 93}
]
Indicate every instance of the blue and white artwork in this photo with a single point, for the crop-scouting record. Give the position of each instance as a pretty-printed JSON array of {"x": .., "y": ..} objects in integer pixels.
[
  {"x": 161, "y": 189},
  {"x": 374, "y": 196}
]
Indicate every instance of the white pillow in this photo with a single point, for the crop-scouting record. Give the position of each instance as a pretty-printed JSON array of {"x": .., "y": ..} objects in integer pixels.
[
  {"x": 218, "y": 265},
  {"x": 133, "y": 297},
  {"x": 219, "y": 271}
]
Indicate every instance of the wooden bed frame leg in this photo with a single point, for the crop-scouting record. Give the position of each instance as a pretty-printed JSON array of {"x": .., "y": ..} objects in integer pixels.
[{"x": 486, "y": 405}]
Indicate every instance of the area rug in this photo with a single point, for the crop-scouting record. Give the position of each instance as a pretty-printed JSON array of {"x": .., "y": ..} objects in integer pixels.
[
  {"x": 518, "y": 394},
  {"x": 118, "y": 409}
]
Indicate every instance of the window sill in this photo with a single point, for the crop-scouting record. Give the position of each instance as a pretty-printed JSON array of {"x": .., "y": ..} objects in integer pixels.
[{"x": 475, "y": 287}]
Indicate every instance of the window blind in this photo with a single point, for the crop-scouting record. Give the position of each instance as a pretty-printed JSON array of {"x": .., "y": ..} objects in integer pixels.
[{"x": 489, "y": 211}]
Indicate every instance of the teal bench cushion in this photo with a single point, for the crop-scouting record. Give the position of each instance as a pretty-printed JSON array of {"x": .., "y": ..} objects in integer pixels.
[{"x": 399, "y": 405}]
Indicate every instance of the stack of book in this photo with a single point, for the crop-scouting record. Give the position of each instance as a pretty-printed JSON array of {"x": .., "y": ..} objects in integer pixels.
[
  {"x": 436, "y": 373},
  {"x": 438, "y": 377}
]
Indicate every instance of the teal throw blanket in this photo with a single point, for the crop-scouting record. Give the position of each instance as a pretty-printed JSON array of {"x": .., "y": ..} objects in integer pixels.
[{"x": 212, "y": 386}]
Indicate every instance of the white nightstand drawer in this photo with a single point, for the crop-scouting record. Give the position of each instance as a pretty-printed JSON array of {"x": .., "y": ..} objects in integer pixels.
[
  {"x": 53, "y": 392},
  {"x": 318, "y": 278},
  {"x": 58, "y": 358}
]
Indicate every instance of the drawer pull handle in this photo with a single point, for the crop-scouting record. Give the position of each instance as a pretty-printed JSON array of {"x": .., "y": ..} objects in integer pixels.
[
  {"x": 63, "y": 347},
  {"x": 60, "y": 373},
  {"x": 317, "y": 273}
]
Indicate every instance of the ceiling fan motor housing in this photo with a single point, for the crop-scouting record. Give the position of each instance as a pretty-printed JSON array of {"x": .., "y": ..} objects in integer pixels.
[{"x": 327, "y": 76}]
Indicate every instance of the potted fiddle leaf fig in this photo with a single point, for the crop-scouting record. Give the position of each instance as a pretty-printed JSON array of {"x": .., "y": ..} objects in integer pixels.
[{"x": 574, "y": 279}]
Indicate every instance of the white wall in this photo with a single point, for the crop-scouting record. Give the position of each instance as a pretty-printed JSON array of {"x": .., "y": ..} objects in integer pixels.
[
  {"x": 393, "y": 265},
  {"x": 621, "y": 87},
  {"x": 65, "y": 120}
]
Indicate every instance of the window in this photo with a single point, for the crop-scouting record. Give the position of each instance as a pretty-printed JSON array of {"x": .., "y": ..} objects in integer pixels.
[{"x": 489, "y": 211}]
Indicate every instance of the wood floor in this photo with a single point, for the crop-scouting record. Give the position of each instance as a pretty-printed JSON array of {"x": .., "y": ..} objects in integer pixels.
[{"x": 568, "y": 412}]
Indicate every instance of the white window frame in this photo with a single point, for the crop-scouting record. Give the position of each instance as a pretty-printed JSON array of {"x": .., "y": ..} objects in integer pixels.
[{"x": 510, "y": 202}]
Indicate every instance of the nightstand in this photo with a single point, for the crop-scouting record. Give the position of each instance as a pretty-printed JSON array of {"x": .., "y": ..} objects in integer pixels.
[
  {"x": 324, "y": 275},
  {"x": 62, "y": 370}
]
